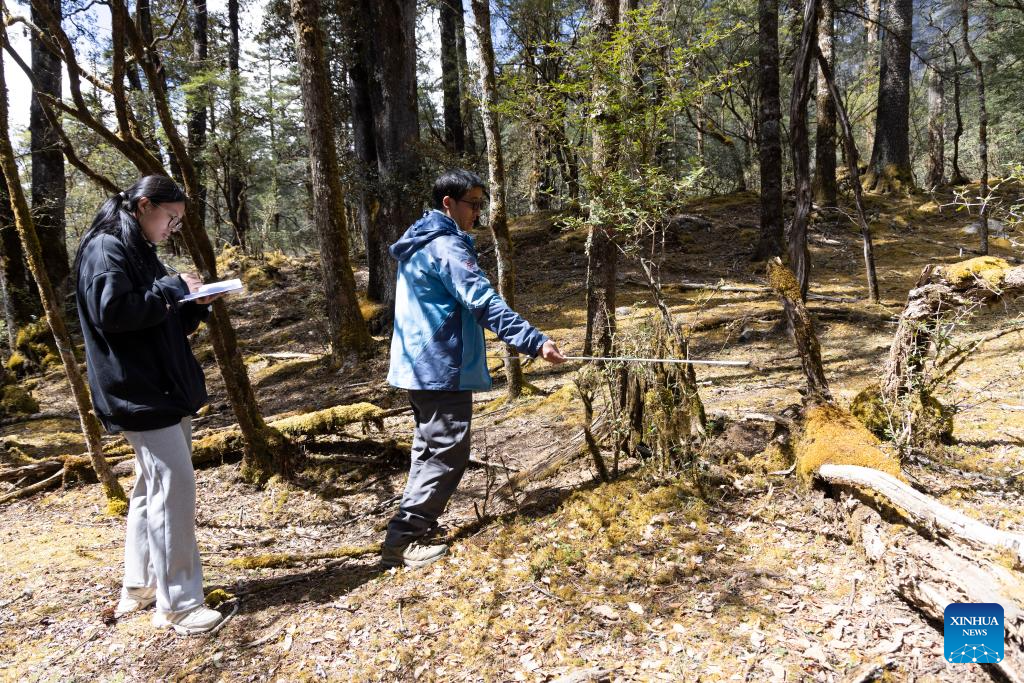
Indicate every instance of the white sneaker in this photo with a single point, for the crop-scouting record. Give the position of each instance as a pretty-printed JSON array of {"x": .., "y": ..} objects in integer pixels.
[
  {"x": 134, "y": 600},
  {"x": 196, "y": 620}
]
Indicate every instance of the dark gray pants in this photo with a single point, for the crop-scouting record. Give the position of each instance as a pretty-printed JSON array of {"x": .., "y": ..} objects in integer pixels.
[{"x": 440, "y": 453}]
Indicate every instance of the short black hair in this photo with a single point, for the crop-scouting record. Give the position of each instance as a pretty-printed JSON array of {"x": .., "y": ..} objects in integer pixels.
[{"x": 455, "y": 184}]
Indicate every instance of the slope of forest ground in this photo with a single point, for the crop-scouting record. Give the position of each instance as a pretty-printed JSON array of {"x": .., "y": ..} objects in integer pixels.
[{"x": 646, "y": 578}]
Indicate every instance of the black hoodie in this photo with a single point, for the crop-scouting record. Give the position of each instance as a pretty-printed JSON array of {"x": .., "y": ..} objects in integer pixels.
[{"x": 141, "y": 369}]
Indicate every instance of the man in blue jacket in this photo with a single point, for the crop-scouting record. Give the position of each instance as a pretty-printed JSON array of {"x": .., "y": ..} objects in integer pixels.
[{"x": 442, "y": 303}]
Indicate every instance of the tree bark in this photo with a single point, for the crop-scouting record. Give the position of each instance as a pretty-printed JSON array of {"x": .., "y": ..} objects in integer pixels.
[
  {"x": 602, "y": 254},
  {"x": 197, "y": 109},
  {"x": 958, "y": 177},
  {"x": 852, "y": 157},
  {"x": 21, "y": 298},
  {"x": 769, "y": 128},
  {"x": 454, "y": 133},
  {"x": 466, "y": 107},
  {"x": 237, "y": 201},
  {"x": 825, "y": 134},
  {"x": 498, "y": 217},
  {"x": 890, "y": 168},
  {"x": 116, "y": 500},
  {"x": 799, "y": 256},
  {"x": 784, "y": 283},
  {"x": 936, "y": 129},
  {"x": 979, "y": 73},
  {"x": 49, "y": 193},
  {"x": 348, "y": 330},
  {"x": 392, "y": 68}
]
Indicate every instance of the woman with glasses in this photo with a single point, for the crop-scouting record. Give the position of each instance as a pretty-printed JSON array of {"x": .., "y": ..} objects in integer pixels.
[{"x": 146, "y": 384}]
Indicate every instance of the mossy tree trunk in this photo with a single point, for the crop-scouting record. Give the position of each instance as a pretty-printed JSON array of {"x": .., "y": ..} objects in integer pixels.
[
  {"x": 890, "y": 168},
  {"x": 784, "y": 283},
  {"x": 769, "y": 130},
  {"x": 602, "y": 253},
  {"x": 825, "y": 133},
  {"x": 799, "y": 255},
  {"x": 348, "y": 329},
  {"x": 451, "y": 84},
  {"x": 498, "y": 217},
  {"x": 117, "y": 502}
]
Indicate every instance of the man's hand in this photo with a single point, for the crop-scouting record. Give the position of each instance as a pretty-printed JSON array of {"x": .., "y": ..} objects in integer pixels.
[{"x": 551, "y": 353}]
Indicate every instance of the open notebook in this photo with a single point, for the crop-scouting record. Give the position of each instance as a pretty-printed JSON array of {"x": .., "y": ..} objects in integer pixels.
[{"x": 214, "y": 288}]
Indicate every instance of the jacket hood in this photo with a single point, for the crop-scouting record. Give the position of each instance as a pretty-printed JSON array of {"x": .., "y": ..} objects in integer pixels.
[{"x": 432, "y": 225}]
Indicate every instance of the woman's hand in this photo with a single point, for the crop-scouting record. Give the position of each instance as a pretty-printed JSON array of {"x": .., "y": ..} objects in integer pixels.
[{"x": 194, "y": 283}]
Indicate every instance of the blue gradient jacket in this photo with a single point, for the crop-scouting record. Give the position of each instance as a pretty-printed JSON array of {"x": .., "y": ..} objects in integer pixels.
[{"x": 442, "y": 302}]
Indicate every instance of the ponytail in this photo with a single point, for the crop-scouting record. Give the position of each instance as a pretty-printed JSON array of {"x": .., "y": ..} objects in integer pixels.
[{"x": 117, "y": 215}]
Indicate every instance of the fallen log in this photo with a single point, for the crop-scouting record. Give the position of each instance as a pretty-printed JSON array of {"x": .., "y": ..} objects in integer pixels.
[
  {"x": 930, "y": 577},
  {"x": 924, "y": 512},
  {"x": 835, "y": 450}
]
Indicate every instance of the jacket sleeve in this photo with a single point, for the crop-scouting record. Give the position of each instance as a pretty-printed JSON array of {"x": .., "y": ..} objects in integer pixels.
[
  {"x": 192, "y": 314},
  {"x": 462, "y": 277},
  {"x": 114, "y": 305}
]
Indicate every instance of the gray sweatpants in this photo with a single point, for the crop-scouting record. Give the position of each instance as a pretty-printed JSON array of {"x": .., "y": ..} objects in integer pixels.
[
  {"x": 160, "y": 545},
  {"x": 440, "y": 453}
]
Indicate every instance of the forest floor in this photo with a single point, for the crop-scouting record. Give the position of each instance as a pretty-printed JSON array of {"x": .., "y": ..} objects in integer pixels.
[{"x": 648, "y": 578}]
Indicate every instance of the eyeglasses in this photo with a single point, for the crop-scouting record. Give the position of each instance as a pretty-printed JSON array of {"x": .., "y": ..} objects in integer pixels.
[
  {"x": 478, "y": 206},
  {"x": 173, "y": 221}
]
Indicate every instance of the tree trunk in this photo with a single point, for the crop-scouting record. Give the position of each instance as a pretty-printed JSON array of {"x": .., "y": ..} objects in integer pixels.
[
  {"x": 852, "y": 158},
  {"x": 498, "y": 217},
  {"x": 198, "y": 105},
  {"x": 890, "y": 170},
  {"x": 392, "y": 68},
  {"x": 48, "y": 187},
  {"x": 979, "y": 73},
  {"x": 799, "y": 256},
  {"x": 958, "y": 177},
  {"x": 454, "y": 134},
  {"x": 361, "y": 114},
  {"x": 465, "y": 78},
  {"x": 238, "y": 204},
  {"x": 784, "y": 283},
  {"x": 267, "y": 452},
  {"x": 769, "y": 127},
  {"x": 936, "y": 129},
  {"x": 116, "y": 500},
  {"x": 825, "y": 134},
  {"x": 602, "y": 253},
  {"x": 348, "y": 330},
  {"x": 21, "y": 298}
]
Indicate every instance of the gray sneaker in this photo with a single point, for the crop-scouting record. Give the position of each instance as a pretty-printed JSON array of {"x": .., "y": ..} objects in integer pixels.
[{"x": 413, "y": 555}]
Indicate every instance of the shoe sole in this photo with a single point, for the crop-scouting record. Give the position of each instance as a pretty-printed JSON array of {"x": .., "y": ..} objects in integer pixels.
[
  {"x": 142, "y": 606},
  {"x": 411, "y": 564}
]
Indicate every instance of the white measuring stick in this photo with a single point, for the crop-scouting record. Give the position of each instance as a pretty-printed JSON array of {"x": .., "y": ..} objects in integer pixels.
[{"x": 683, "y": 361}]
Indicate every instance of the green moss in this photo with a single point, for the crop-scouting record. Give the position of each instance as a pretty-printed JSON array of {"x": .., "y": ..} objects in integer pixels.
[
  {"x": 986, "y": 270},
  {"x": 867, "y": 407},
  {"x": 17, "y": 362},
  {"x": 17, "y": 400},
  {"x": 218, "y": 596},
  {"x": 832, "y": 436},
  {"x": 117, "y": 507},
  {"x": 931, "y": 420},
  {"x": 275, "y": 560},
  {"x": 51, "y": 361},
  {"x": 331, "y": 420},
  {"x": 782, "y": 280}
]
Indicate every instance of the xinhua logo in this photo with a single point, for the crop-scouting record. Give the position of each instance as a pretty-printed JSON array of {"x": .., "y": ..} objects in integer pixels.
[{"x": 973, "y": 633}]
